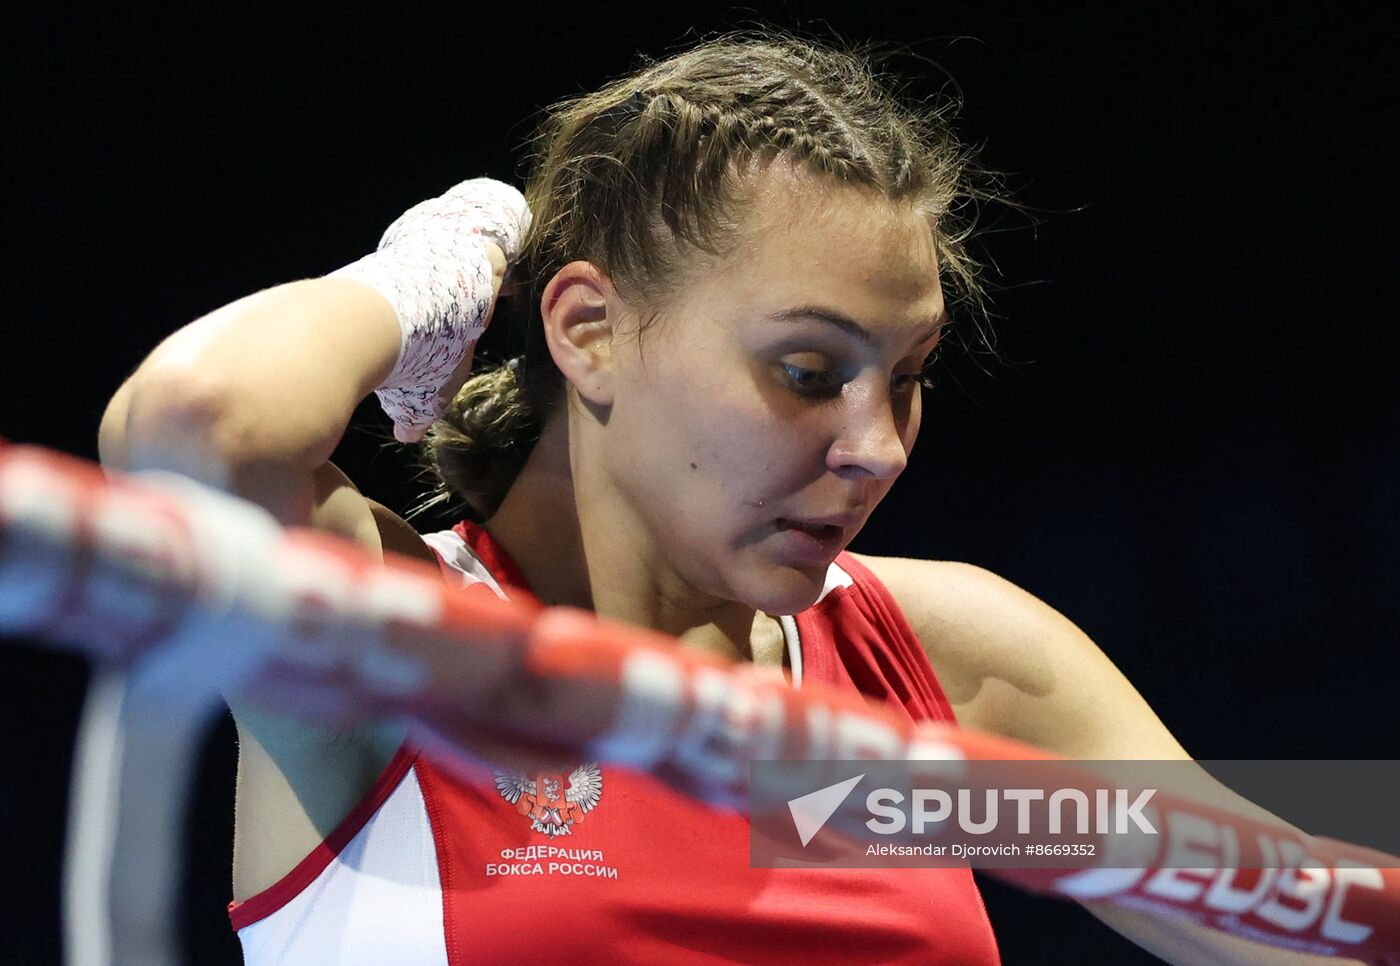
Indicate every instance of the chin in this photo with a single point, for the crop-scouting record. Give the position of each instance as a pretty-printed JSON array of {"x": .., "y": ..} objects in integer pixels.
[{"x": 784, "y": 590}]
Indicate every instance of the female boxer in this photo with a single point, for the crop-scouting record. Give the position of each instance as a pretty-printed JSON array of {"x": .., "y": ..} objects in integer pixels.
[{"x": 740, "y": 262}]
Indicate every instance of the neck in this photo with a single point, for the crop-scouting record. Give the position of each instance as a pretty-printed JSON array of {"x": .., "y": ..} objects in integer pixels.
[{"x": 578, "y": 545}]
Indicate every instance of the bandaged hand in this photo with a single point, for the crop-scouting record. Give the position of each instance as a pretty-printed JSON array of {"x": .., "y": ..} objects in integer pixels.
[{"x": 433, "y": 266}]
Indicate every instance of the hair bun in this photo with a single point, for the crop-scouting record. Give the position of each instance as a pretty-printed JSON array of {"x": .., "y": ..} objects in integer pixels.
[{"x": 479, "y": 445}]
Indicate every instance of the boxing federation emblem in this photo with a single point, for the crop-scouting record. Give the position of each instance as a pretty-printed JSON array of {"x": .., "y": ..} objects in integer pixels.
[{"x": 553, "y": 805}]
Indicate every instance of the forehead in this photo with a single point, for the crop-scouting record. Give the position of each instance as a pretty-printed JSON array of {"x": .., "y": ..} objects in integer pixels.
[{"x": 807, "y": 239}]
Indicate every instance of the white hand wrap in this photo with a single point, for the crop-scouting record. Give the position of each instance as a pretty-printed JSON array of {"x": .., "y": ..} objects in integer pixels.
[{"x": 433, "y": 269}]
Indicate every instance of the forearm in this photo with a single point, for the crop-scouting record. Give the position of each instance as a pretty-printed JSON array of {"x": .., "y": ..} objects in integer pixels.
[
  {"x": 1182, "y": 943},
  {"x": 255, "y": 396}
]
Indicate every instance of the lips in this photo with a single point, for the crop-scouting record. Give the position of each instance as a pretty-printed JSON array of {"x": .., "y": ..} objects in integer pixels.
[
  {"x": 816, "y": 539},
  {"x": 835, "y": 521},
  {"x": 819, "y": 530}
]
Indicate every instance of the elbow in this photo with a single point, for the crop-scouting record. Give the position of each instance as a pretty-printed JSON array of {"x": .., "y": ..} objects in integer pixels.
[
  {"x": 111, "y": 432},
  {"x": 173, "y": 418},
  {"x": 215, "y": 430}
]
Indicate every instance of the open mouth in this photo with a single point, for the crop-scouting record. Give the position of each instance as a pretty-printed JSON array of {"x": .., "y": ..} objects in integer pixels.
[
  {"x": 822, "y": 531},
  {"x": 811, "y": 543}
]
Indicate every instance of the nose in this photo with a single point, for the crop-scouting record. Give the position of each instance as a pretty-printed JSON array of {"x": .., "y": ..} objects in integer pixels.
[{"x": 870, "y": 442}]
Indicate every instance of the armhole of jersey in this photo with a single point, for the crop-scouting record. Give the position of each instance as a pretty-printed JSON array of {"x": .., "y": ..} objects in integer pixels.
[
  {"x": 907, "y": 643},
  {"x": 459, "y": 565},
  {"x": 287, "y": 888}
]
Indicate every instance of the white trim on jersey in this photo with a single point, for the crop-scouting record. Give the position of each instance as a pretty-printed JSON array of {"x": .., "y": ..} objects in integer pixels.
[
  {"x": 793, "y": 641},
  {"x": 835, "y": 578}
]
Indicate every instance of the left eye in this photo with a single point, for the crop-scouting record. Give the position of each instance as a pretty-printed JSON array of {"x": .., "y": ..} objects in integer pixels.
[{"x": 816, "y": 381}]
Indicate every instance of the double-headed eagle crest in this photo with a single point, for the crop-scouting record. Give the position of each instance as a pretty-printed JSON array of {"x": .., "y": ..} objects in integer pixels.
[{"x": 553, "y": 804}]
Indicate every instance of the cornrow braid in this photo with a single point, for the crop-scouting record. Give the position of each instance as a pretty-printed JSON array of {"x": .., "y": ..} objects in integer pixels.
[{"x": 633, "y": 175}]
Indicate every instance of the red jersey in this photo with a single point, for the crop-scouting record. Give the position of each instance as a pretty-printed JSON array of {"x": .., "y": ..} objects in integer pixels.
[{"x": 606, "y": 864}]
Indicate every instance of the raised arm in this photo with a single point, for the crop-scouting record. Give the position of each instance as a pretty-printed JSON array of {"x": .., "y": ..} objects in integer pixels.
[
  {"x": 254, "y": 398},
  {"x": 256, "y": 395}
]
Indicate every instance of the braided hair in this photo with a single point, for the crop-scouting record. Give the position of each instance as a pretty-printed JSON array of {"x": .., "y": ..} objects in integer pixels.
[{"x": 633, "y": 176}]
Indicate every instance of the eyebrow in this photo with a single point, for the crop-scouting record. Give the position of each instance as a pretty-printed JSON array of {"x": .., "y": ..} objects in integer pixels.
[{"x": 849, "y": 325}]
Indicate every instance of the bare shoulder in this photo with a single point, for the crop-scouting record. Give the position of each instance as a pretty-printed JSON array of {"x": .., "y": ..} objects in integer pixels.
[
  {"x": 977, "y": 623},
  {"x": 1013, "y": 665}
]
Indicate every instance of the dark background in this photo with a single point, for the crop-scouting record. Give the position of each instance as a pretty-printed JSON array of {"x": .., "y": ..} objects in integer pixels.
[{"x": 1189, "y": 448}]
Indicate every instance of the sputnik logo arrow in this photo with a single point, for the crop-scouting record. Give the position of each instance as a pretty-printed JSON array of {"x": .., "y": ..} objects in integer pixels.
[{"x": 810, "y": 811}]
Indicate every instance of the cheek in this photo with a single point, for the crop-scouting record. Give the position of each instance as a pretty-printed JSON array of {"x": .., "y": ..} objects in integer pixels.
[
  {"x": 712, "y": 441},
  {"x": 741, "y": 452},
  {"x": 735, "y": 453}
]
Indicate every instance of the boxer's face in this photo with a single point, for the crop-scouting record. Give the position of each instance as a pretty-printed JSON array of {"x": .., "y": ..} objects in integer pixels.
[{"x": 772, "y": 405}]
